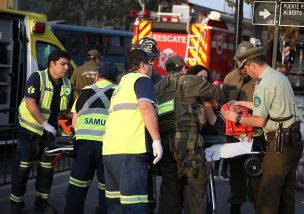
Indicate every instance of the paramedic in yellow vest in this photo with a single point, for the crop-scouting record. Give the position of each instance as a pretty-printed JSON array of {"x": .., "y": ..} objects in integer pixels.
[
  {"x": 46, "y": 93},
  {"x": 90, "y": 112},
  {"x": 275, "y": 109},
  {"x": 184, "y": 177},
  {"x": 131, "y": 138},
  {"x": 85, "y": 75}
]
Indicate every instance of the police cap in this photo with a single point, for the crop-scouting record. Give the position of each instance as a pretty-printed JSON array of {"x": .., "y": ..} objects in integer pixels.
[
  {"x": 94, "y": 53},
  {"x": 246, "y": 50}
]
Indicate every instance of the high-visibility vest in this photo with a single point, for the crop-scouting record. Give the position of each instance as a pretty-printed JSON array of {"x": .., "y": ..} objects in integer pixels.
[
  {"x": 91, "y": 121},
  {"x": 26, "y": 120},
  {"x": 125, "y": 128}
]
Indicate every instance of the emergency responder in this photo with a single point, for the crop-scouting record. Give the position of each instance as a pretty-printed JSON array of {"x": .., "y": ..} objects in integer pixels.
[
  {"x": 184, "y": 178},
  {"x": 90, "y": 113},
  {"x": 215, "y": 124},
  {"x": 239, "y": 86},
  {"x": 46, "y": 93},
  {"x": 274, "y": 109},
  {"x": 149, "y": 45},
  {"x": 85, "y": 74},
  {"x": 131, "y": 135}
]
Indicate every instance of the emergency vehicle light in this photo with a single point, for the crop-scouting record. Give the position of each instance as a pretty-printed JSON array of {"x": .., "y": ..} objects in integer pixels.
[{"x": 39, "y": 27}]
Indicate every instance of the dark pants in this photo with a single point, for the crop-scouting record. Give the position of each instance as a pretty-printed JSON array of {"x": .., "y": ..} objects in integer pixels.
[
  {"x": 242, "y": 187},
  {"x": 126, "y": 180},
  {"x": 87, "y": 160},
  {"x": 276, "y": 194},
  {"x": 30, "y": 151},
  {"x": 188, "y": 192}
]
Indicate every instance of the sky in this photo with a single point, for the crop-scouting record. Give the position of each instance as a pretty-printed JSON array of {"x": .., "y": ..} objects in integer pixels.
[{"x": 221, "y": 5}]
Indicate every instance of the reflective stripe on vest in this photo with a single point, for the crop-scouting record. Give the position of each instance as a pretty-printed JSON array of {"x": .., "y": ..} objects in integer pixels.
[
  {"x": 65, "y": 91},
  {"x": 166, "y": 107},
  {"x": 26, "y": 120},
  {"x": 125, "y": 129},
  {"x": 91, "y": 121},
  {"x": 124, "y": 106}
]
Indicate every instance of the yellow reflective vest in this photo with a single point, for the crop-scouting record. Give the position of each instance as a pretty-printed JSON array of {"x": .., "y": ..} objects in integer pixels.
[
  {"x": 91, "y": 121},
  {"x": 26, "y": 120},
  {"x": 125, "y": 128}
]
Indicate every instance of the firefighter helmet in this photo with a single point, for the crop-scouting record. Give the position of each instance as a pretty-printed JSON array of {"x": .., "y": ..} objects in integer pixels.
[{"x": 149, "y": 46}]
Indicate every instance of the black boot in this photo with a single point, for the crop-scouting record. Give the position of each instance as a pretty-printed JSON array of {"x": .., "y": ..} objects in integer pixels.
[
  {"x": 235, "y": 209},
  {"x": 16, "y": 208},
  {"x": 44, "y": 207}
]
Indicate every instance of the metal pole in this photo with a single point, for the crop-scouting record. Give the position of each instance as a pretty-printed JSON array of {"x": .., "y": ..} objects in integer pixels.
[
  {"x": 238, "y": 25},
  {"x": 276, "y": 37}
]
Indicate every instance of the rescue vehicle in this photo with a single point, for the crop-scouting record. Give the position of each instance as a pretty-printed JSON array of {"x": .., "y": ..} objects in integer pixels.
[
  {"x": 25, "y": 44},
  {"x": 208, "y": 42}
]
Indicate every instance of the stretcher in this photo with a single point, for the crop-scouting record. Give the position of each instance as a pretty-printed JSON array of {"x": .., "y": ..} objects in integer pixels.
[
  {"x": 62, "y": 146},
  {"x": 217, "y": 148}
]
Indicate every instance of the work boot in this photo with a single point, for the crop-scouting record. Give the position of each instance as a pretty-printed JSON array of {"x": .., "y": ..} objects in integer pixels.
[
  {"x": 16, "y": 208},
  {"x": 43, "y": 206},
  {"x": 235, "y": 209}
]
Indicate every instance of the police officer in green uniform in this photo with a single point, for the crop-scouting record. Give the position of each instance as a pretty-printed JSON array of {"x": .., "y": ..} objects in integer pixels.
[
  {"x": 46, "y": 93},
  {"x": 90, "y": 112},
  {"x": 184, "y": 177},
  {"x": 274, "y": 109},
  {"x": 239, "y": 86},
  {"x": 85, "y": 75}
]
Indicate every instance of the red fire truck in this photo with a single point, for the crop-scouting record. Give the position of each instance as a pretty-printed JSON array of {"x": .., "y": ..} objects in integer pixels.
[{"x": 208, "y": 42}]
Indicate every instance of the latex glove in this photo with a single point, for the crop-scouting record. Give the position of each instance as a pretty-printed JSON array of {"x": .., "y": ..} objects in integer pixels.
[
  {"x": 49, "y": 128},
  {"x": 157, "y": 150}
]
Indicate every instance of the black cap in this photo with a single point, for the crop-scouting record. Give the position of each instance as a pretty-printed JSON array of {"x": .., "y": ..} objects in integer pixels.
[{"x": 108, "y": 70}]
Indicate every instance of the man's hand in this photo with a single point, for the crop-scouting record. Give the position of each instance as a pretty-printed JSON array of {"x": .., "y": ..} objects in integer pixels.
[
  {"x": 157, "y": 150},
  {"x": 229, "y": 115},
  {"x": 49, "y": 128}
]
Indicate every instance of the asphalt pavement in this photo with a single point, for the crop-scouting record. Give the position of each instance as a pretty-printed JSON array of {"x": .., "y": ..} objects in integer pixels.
[{"x": 57, "y": 197}]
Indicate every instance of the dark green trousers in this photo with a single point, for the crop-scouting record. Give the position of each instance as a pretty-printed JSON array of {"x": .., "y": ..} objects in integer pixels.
[
  {"x": 276, "y": 194},
  {"x": 188, "y": 193}
]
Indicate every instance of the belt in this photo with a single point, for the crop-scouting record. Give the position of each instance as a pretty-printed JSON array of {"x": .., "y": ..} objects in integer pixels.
[{"x": 287, "y": 133}]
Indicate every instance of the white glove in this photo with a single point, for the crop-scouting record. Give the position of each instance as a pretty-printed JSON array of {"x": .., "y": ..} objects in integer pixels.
[
  {"x": 157, "y": 150},
  {"x": 49, "y": 128}
]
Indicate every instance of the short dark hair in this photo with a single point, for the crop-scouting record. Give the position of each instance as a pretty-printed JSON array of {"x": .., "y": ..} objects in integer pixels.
[
  {"x": 194, "y": 70},
  {"x": 57, "y": 54},
  {"x": 260, "y": 60},
  {"x": 134, "y": 58}
]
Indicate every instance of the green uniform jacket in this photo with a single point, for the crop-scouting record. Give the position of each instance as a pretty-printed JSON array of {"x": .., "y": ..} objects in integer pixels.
[
  {"x": 234, "y": 88},
  {"x": 83, "y": 76}
]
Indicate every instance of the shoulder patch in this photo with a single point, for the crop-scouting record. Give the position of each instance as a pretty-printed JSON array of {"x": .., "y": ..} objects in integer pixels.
[
  {"x": 256, "y": 101},
  {"x": 31, "y": 90}
]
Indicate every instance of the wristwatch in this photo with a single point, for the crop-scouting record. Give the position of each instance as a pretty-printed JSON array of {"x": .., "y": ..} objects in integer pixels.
[{"x": 238, "y": 119}]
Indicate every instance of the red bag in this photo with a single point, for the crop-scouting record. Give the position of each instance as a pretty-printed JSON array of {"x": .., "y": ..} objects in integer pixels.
[{"x": 237, "y": 130}]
